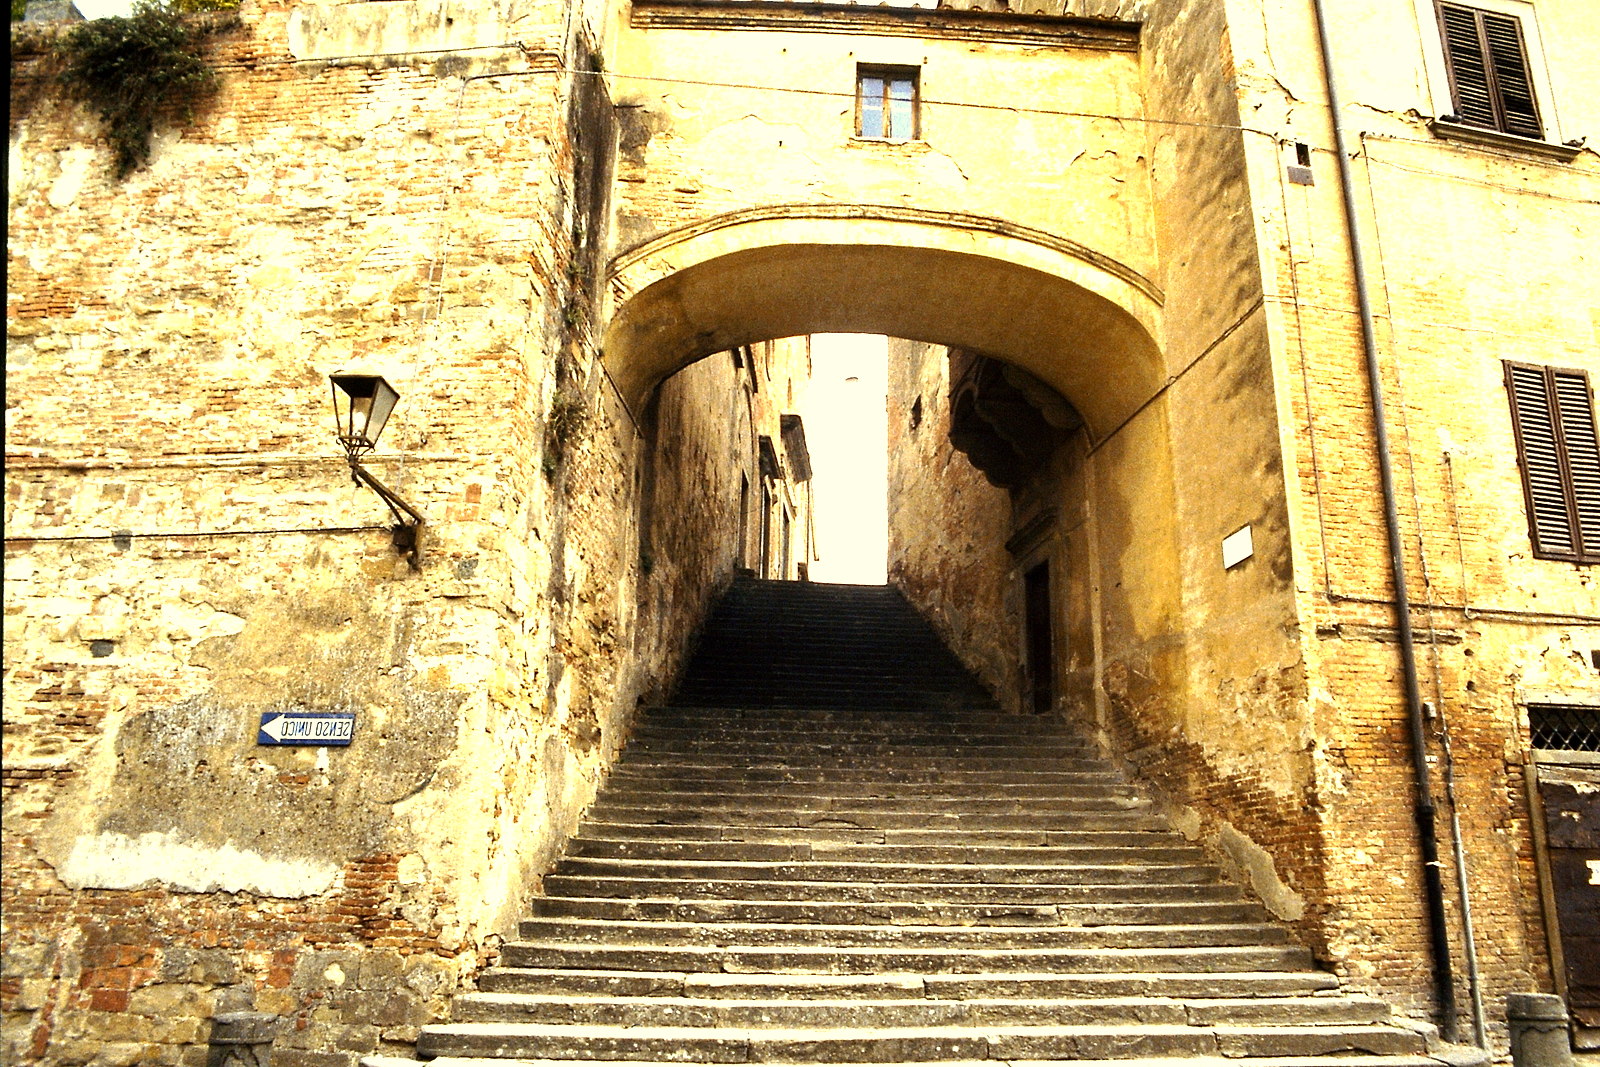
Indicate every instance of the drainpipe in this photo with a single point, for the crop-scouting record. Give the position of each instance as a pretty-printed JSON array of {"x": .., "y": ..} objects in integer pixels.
[{"x": 1433, "y": 882}]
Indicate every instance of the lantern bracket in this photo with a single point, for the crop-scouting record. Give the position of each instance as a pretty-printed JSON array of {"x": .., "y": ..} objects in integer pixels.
[
  {"x": 361, "y": 406},
  {"x": 407, "y": 530}
]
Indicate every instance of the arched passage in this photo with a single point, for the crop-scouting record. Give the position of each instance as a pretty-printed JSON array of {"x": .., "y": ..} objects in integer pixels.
[{"x": 1076, "y": 319}]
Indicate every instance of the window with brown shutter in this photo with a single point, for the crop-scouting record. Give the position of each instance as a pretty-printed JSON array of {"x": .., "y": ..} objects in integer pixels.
[
  {"x": 1552, "y": 412},
  {"x": 1488, "y": 67}
]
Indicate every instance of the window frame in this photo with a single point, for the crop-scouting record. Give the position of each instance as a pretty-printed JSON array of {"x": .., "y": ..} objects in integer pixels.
[
  {"x": 889, "y": 74},
  {"x": 1540, "y": 397},
  {"x": 1492, "y": 56},
  {"x": 1442, "y": 91}
]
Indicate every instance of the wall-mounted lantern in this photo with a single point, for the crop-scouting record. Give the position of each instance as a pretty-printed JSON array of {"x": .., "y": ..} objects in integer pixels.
[{"x": 361, "y": 405}]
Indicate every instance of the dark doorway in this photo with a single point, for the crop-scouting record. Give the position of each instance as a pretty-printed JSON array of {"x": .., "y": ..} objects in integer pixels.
[{"x": 1039, "y": 637}]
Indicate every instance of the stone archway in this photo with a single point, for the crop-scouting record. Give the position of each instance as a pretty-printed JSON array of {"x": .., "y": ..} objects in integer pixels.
[{"x": 1075, "y": 318}]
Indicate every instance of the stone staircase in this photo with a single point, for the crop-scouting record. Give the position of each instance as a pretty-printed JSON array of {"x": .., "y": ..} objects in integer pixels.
[{"x": 833, "y": 849}]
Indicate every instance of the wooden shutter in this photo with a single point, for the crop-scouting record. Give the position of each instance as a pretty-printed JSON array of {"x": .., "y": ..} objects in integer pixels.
[
  {"x": 1575, "y": 404},
  {"x": 1488, "y": 67},
  {"x": 1552, "y": 412}
]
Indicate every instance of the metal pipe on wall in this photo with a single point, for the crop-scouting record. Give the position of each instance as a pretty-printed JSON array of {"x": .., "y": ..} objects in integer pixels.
[{"x": 1427, "y": 833}]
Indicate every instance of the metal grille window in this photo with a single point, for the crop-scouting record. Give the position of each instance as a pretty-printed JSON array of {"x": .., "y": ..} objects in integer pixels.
[
  {"x": 886, "y": 103},
  {"x": 1488, "y": 67},
  {"x": 1566, "y": 727},
  {"x": 1552, "y": 412}
]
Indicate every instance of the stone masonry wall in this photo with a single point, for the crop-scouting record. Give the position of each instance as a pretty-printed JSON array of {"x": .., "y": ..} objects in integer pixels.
[
  {"x": 185, "y": 551},
  {"x": 704, "y": 425},
  {"x": 948, "y": 526}
]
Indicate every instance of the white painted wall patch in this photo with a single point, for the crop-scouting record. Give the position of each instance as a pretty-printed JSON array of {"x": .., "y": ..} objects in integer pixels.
[{"x": 1237, "y": 547}]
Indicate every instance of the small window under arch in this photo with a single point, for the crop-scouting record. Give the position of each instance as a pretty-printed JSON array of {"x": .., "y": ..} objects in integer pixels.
[{"x": 887, "y": 103}]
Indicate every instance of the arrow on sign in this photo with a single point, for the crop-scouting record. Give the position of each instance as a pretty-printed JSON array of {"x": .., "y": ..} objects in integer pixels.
[{"x": 306, "y": 728}]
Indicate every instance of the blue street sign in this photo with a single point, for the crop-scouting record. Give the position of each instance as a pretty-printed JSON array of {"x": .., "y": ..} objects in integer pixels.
[{"x": 306, "y": 728}]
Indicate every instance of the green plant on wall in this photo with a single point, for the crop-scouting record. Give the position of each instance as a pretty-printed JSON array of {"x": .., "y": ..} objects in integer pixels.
[
  {"x": 568, "y": 418},
  {"x": 133, "y": 70}
]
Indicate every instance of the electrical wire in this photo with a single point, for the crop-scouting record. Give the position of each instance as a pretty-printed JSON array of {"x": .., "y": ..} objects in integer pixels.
[{"x": 13, "y": 539}]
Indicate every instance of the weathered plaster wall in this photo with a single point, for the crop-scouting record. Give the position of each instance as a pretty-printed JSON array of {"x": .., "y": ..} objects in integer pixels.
[
  {"x": 1202, "y": 681},
  {"x": 948, "y": 526},
  {"x": 705, "y": 98},
  {"x": 740, "y": 172}
]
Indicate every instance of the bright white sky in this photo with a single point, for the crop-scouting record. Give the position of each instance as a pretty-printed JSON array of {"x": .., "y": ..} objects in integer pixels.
[
  {"x": 846, "y": 421},
  {"x": 104, "y": 9}
]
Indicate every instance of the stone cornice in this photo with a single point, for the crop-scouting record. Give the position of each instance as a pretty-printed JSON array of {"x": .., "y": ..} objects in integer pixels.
[
  {"x": 1507, "y": 142},
  {"x": 1001, "y": 27}
]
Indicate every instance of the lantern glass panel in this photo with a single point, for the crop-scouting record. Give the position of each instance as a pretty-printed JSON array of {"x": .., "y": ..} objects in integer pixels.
[{"x": 362, "y": 403}]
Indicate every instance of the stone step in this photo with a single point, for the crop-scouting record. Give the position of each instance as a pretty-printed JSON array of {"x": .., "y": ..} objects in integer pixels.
[
  {"x": 759, "y": 623},
  {"x": 904, "y": 1012},
  {"x": 802, "y": 661},
  {"x": 1126, "y": 873},
  {"x": 874, "y": 960},
  {"x": 920, "y": 912},
  {"x": 624, "y": 932},
  {"x": 783, "y": 609},
  {"x": 862, "y": 810},
  {"x": 809, "y": 781},
  {"x": 911, "y": 735},
  {"x": 885, "y": 699},
  {"x": 657, "y": 735},
  {"x": 1150, "y": 890},
  {"x": 900, "y": 1045},
  {"x": 723, "y": 745},
  {"x": 574, "y": 982},
  {"x": 805, "y": 660},
  {"x": 800, "y": 684},
  {"x": 974, "y": 738},
  {"x": 834, "y": 848},
  {"x": 1042, "y": 838},
  {"x": 1134, "y": 816},
  {"x": 823, "y": 720},
  {"x": 888, "y": 767},
  {"x": 1351, "y": 1059},
  {"x": 1071, "y": 854},
  {"x": 712, "y": 791},
  {"x": 756, "y": 626}
]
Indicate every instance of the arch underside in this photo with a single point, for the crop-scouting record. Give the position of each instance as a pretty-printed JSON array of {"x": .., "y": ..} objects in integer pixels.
[{"x": 1078, "y": 321}]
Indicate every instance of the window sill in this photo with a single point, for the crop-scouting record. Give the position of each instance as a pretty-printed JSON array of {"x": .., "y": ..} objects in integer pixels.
[
  {"x": 1571, "y": 757},
  {"x": 898, "y": 142},
  {"x": 1456, "y": 131}
]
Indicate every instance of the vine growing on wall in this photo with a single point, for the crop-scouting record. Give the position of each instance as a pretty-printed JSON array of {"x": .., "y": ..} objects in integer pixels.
[{"x": 133, "y": 70}]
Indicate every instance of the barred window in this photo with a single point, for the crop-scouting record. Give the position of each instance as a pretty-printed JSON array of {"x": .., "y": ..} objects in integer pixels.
[{"x": 1566, "y": 727}]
